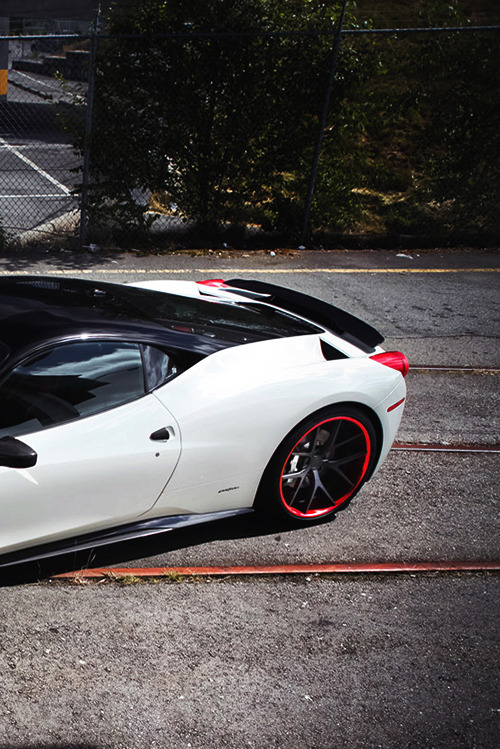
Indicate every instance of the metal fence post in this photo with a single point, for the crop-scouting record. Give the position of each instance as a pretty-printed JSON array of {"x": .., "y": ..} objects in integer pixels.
[
  {"x": 321, "y": 131},
  {"x": 88, "y": 127},
  {"x": 4, "y": 58}
]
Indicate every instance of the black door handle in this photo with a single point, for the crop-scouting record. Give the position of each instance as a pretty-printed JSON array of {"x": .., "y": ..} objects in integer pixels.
[{"x": 160, "y": 434}]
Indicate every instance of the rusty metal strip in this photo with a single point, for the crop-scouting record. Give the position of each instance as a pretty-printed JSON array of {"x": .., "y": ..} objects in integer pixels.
[
  {"x": 124, "y": 573},
  {"x": 444, "y": 448},
  {"x": 430, "y": 368}
]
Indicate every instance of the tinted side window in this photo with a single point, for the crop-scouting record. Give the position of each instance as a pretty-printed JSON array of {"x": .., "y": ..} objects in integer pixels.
[
  {"x": 68, "y": 382},
  {"x": 158, "y": 366}
]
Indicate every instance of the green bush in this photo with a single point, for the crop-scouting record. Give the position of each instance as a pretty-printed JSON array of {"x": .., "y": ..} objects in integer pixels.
[
  {"x": 433, "y": 134},
  {"x": 218, "y": 121},
  {"x": 220, "y": 128}
]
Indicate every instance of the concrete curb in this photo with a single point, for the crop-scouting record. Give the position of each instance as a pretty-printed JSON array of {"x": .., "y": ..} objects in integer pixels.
[{"x": 58, "y": 227}]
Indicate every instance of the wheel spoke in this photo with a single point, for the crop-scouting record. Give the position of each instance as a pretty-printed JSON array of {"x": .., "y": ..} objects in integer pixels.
[
  {"x": 341, "y": 473},
  {"x": 294, "y": 474},
  {"x": 305, "y": 507},
  {"x": 332, "y": 437},
  {"x": 346, "y": 442},
  {"x": 347, "y": 459},
  {"x": 297, "y": 490},
  {"x": 316, "y": 439},
  {"x": 318, "y": 484}
]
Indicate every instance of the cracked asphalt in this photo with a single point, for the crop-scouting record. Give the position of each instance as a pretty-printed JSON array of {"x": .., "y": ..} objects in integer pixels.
[{"x": 316, "y": 662}]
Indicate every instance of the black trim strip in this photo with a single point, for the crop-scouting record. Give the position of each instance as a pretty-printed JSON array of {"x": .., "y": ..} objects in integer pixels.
[
  {"x": 346, "y": 326},
  {"x": 128, "y": 532}
]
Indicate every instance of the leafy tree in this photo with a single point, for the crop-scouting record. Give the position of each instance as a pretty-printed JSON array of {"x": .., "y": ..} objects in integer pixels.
[
  {"x": 204, "y": 106},
  {"x": 220, "y": 127},
  {"x": 432, "y": 143},
  {"x": 461, "y": 138}
]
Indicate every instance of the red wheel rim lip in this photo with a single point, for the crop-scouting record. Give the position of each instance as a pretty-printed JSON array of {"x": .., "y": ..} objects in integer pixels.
[{"x": 341, "y": 500}]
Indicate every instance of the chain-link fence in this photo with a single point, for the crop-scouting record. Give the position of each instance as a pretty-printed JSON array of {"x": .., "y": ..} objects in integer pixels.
[
  {"x": 252, "y": 136},
  {"x": 38, "y": 163}
]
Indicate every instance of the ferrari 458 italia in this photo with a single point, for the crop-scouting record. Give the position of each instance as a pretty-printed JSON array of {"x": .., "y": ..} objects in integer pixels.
[{"x": 128, "y": 410}]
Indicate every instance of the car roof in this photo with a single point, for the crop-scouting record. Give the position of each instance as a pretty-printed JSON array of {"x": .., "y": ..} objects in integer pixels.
[{"x": 35, "y": 310}]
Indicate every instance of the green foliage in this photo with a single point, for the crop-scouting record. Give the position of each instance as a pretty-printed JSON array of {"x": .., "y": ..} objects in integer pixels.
[
  {"x": 345, "y": 156},
  {"x": 218, "y": 121},
  {"x": 433, "y": 143},
  {"x": 461, "y": 140},
  {"x": 221, "y": 127}
]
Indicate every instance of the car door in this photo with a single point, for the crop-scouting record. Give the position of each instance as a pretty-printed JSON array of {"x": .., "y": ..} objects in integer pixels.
[{"x": 105, "y": 447}]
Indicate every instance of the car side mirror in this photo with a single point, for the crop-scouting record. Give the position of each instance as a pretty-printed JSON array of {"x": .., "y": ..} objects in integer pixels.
[{"x": 16, "y": 454}]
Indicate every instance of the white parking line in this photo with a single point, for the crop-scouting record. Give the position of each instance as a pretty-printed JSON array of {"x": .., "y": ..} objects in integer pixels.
[
  {"x": 38, "y": 195},
  {"x": 36, "y": 145},
  {"x": 34, "y": 166},
  {"x": 38, "y": 82}
]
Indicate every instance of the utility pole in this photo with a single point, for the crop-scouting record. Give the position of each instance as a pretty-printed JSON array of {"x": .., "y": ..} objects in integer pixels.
[
  {"x": 324, "y": 117},
  {"x": 84, "y": 202}
]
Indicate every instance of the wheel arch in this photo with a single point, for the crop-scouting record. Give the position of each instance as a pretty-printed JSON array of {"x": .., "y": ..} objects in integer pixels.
[
  {"x": 370, "y": 414},
  {"x": 377, "y": 425}
]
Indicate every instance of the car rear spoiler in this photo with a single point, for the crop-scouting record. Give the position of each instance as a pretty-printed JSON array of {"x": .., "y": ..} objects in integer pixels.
[{"x": 346, "y": 326}]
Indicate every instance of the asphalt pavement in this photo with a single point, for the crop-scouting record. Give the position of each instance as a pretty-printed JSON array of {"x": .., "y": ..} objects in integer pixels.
[
  {"x": 317, "y": 661},
  {"x": 323, "y": 663},
  {"x": 38, "y": 163}
]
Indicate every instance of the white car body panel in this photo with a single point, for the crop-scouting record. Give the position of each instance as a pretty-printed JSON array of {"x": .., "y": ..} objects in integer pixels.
[
  {"x": 91, "y": 473},
  {"x": 236, "y": 406}
]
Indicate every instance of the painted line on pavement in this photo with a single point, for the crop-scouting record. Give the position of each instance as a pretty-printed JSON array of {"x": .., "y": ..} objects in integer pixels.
[
  {"x": 3, "y": 81},
  {"x": 116, "y": 574},
  {"x": 34, "y": 166},
  {"x": 38, "y": 195},
  {"x": 212, "y": 270},
  {"x": 443, "y": 448},
  {"x": 37, "y": 81},
  {"x": 38, "y": 146}
]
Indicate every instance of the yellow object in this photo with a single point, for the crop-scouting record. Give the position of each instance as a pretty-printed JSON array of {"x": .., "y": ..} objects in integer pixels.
[{"x": 3, "y": 82}]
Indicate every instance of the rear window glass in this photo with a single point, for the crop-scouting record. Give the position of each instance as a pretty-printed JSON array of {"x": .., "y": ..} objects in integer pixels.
[
  {"x": 91, "y": 302},
  {"x": 194, "y": 313},
  {"x": 4, "y": 352}
]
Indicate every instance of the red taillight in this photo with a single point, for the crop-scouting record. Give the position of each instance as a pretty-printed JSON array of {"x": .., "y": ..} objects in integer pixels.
[
  {"x": 393, "y": 359},
  {"x": 217, "y": 282}
]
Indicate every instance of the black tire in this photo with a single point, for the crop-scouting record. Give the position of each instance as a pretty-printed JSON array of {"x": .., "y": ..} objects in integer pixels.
[{"x": 320, "y": 465}]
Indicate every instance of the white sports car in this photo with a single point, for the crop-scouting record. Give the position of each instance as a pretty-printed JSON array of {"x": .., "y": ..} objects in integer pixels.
[{"x": 128, "y": 410}]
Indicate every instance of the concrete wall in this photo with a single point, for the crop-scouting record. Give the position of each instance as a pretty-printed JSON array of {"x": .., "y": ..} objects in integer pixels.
[{"x": 73, "y": 67}]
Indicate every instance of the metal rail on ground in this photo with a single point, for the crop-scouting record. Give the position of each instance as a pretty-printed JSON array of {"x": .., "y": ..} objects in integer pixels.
[
  {"x": 441, "y": 447},
  {"x": 453, "y": 368},
  {"x": 117, "y": 574}
]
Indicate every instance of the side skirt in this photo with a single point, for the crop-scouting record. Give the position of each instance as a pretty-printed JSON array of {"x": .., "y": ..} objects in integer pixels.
[{"x": 128, "y": 532}]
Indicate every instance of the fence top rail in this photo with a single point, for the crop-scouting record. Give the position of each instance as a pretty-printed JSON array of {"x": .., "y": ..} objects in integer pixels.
[{"x": 261, "y": 33}]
